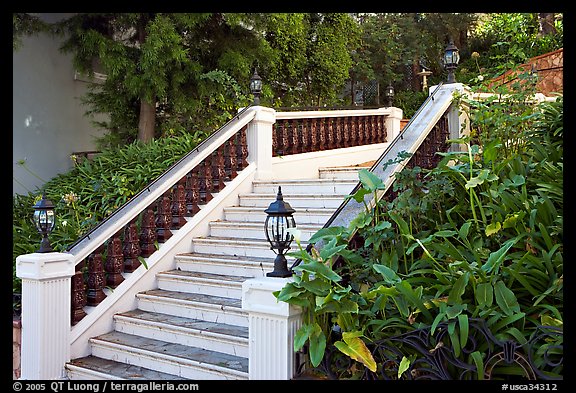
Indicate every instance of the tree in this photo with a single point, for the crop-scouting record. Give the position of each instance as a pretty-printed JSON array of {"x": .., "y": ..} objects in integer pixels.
[
  {"x": 165, "y": 72},
  {"x": 181, "y": 72}
]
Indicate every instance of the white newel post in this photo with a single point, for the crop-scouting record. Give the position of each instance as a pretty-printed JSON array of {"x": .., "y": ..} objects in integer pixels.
[
  {"x": 46, "y": 288},
  {"x": 393, "y": 123},
  {"x": 259, "y": 140},
  {"x": 272, "y": 326}
]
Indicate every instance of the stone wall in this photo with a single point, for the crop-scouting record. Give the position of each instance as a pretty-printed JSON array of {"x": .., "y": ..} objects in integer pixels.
[
  {"x": 550, "y": 69},
  {"x": 16, "y": 345}
]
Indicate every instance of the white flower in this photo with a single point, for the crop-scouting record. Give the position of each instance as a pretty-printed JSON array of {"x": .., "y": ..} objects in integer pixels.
[
  {"x": 64, "y": 223},
  {"x": 296, "y": 233},
  {"x": 480, "y": 78}
]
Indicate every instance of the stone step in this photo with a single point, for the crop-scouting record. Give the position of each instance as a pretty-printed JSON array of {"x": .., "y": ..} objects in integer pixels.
[
  {"x": 218, "y": 337},
  {"x": 305, "y": 186},
  {"x": 194, "y": 305},
  {"x": 96, "y": 368},
  {"x": 196, "y": 282},
  {"x": 339, "y": 172},
  {"x": 297, "y": 201},
  {"x": 254, "y": 230},
  {"x": 237, "y": 247},
  {"x": 256, "y": 214},
  {"x": 224, "y": 264},
  {"x": 170, "y": 358}
]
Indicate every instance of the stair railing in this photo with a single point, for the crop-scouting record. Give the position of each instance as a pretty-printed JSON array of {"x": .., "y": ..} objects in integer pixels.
[{"x": 424, "y": 135}]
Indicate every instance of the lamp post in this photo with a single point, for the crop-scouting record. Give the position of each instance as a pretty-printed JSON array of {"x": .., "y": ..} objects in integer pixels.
[
  {"x": 389, "y": 94},
  {"x": 44, "y": 219},
  {"x": 451, "y": 59},
  {"x": 256, "y": 87},
  {"x": 278, "y": 221}
]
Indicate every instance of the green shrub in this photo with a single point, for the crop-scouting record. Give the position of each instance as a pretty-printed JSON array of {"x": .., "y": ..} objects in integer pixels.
[
  {"x": 92, "y": 190},
  {"x": 479, "y": 236}
]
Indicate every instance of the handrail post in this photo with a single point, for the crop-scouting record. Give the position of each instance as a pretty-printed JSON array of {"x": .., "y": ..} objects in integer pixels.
[
  {"x": 457, "y": 115},
  {"x": 392, "y": 122},
  {"x": 259, "y": 140},
  {"x": 272, "y": 327},
  {"x": 46, "y": 309}
]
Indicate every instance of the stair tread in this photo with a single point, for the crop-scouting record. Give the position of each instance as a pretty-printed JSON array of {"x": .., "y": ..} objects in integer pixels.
[
  {"x": 257, "y": 224},
  {"x": 196, "y": 297},
  {"x": 121, "y": 370},
  {"x": 310, "y": 180},
  {"x": 290, "y": 196},
  {"x": 186, "y": 323},
  {"x": 211, "y": 276},
  {"x": 173, "y": 350},
  {"x": 235, "y": 258}
]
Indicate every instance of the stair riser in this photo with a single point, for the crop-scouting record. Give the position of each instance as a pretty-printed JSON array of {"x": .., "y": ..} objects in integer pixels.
[
  {"x": 351, "y": 175},
  {"x": 258, "y": 215},
  {"x": 192, "y": 310},
  {"x": 251, "y": 232},
  {"x": 163, "y": 364},
  {"x": 226, "y": 344},
  {"x": 288, "y": 188},
  {"x": 331, "y": 202},
  {"x": 204, "y": 246},
  {"x": 223, "y": 267},
  {"x": 223, "y": 289}
]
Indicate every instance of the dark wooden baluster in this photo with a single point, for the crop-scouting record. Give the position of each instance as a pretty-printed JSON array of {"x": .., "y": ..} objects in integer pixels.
[
  {"x": 243, "y": 149},
  {"x": 346, "y": 132},
  {"x": 207, "y": 171},
  {"x": 339, "y": 139},
  {"x": 285, "y": 138},
  {"x": 305, "y": 134},
  {"x": 96, "y": 278},
  {"x": 163, "y": 218},
  {"x": 368, "y": 130},
  {"x": 233, "y": 159},
  {"x": 178, "y": 207},
  {"x": 321, "y": 134},
  {"x": 79, "y": 296},
  {"x": 218, "y": 170},
  {"x": 114, "y": 262},
  {"x": 275, "y": 129},
  {"x": 192, "y": 193},
  {"x": 330, "y": 133},
  {"x": 131, "y": 247},
  {"x": 148, "y": 232},
  {"x": 314, "y": 135},
  {"x": 296, "y": 136},
  {"x": 360, "y": 131},
  {"x": 354, "y": 131}
]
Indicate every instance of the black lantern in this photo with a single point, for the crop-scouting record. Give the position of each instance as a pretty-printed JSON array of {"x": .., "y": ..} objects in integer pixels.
[
  {"x": 44, "y": 219},
  {"x": 451, "y": 59},
  {"x": 389, "y": 94},
  {"x": 256, "y": 87},
  {"x": 277, "y": 223}
]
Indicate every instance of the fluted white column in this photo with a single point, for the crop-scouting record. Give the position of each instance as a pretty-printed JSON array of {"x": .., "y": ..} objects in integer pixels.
[
  {"x": 46, "y": 288},
  {"x": 272, "y": 326},
  {"x": 259, "y": 140}
]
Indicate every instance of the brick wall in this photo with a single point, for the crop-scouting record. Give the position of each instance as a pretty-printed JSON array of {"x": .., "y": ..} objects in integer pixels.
[
  {"x": 16, "y": 341},
  {"x": 550, "y": 69}
]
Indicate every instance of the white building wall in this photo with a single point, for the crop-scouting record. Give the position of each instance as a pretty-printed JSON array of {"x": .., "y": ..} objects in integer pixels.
[{"x": 48, "y": 117}]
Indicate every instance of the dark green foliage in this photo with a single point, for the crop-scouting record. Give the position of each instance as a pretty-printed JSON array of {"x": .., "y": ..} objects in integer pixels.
[
  {"x": 479, "y": 236},
  {"x": 92, "y": 190}
]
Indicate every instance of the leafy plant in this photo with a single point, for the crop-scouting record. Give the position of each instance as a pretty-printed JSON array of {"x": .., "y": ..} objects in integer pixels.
[
  {"x": 92, "y": 190},
  {"x": 479, "y": 236}
]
